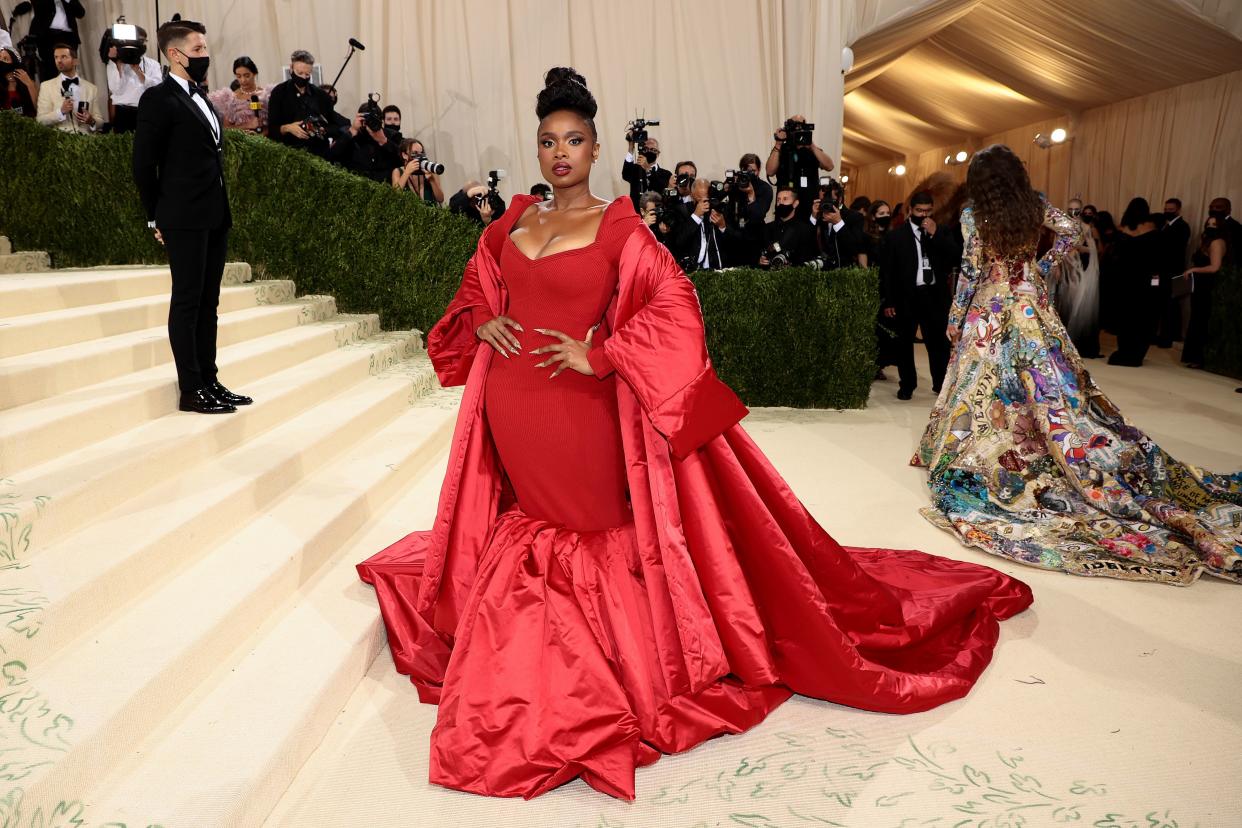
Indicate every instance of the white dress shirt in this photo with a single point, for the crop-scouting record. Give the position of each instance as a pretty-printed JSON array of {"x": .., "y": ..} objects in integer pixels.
[
  {"x": 202, "y": 104},
  {"x": 60, "y": 22},
  {"x": 918, "y": 255},
  {"x": 125, "y": 86},
  {"x": 75, "y": 90}
]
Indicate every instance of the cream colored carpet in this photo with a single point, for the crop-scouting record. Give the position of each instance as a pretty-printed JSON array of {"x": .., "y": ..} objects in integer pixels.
[{"x": 1108, "y": 704}]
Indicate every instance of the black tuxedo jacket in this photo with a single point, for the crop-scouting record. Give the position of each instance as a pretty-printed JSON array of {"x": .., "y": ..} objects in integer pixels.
[
  {"x": 178, "y": 163},
  {"x": 1174, "y": 239},
  {"x": 45, "y": 13},
  {"x": 641, "y": 182},
  {"x": 899, "y": 263}
]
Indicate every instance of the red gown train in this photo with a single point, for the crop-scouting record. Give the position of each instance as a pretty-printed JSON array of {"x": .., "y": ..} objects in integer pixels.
[{"x": 616, "y": 571}]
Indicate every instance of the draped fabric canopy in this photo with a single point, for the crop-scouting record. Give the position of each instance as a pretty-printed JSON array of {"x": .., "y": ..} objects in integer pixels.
[{"x": 962, "y": 69}]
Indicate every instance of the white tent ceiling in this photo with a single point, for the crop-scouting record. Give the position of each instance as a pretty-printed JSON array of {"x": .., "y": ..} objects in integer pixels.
[{"x": 949, "y": 71}]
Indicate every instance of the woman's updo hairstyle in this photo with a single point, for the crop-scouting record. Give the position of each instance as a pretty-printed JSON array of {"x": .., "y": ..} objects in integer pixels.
[{"x": 564, "y": 88}]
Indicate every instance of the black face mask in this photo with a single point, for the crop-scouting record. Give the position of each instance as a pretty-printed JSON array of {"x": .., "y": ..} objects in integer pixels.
[
  {"x": 300, "y": 82},
  {"x": 1087, "y": 218},
  {"x": 783, "y": 211},
  {"x": 883, "y": 222},
  {"x": 1219, "y": 215},
  {"x": 1075, "y": 211},
  {"x": 1169, "y": 216},
  {"x": 650, "y": 156},
  {"x": 917, "y": 221},
  {"x": 197, "y": 67}
]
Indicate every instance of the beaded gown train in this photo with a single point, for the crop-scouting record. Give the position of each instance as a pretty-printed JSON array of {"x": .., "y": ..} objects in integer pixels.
[
  {"x": 1030, "y": 461},
  {"x": 616, "y": 571}
]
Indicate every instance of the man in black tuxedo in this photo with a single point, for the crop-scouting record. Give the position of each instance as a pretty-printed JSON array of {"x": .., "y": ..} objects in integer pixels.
[
  {"x": 915, "y": 264},
  {"x": 55, "y": 21},
  {"x": 179, "y": 170},
  {"x": 643, "y": 171},
  {"x": 1221, "y": 209},
  {"x": 794, "y": 234},
  {"x": 1174, "y": 239}
]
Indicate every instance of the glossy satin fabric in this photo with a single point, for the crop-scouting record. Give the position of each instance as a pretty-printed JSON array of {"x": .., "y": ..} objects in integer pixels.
[{"x": 556, "y": 653}]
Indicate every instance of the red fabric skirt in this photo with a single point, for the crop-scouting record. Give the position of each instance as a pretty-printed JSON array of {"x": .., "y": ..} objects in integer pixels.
[{"x": 553, "y": 672}]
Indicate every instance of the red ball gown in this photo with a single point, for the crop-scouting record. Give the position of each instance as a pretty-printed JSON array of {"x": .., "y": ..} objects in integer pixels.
[{"x": 615, "y": 570}]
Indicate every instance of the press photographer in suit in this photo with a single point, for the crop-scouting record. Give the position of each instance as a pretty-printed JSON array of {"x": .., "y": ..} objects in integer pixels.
[
  {"x": 179, "y": 170},
  {"x": 916, "y": 263}
]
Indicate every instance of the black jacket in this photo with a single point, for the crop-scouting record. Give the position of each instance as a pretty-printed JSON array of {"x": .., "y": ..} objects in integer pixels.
[
  {"x": 841, "y": 248},
  {"x": 45, "y": 13},
  {"x": 1174, "y": 239},
  {"x": 362, "y": 155},
  {"x": 643, "y": 182},
  {"x": 796, "y": 237},
  {"x": 899, "y": 263},
  {"x": 286, "y": 106},
  {"x": 178, "y": 163}
]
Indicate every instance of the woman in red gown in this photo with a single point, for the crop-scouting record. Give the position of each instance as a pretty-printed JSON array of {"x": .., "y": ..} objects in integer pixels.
[{"x": 615, "y": 570}]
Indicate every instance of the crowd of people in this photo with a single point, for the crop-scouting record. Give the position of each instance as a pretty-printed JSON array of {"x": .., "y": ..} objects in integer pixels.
[{"x": 1133, "y": 278}]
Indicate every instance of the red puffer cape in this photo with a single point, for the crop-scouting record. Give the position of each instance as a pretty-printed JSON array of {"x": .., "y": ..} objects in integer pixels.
[{"x": 741, "y": 578}]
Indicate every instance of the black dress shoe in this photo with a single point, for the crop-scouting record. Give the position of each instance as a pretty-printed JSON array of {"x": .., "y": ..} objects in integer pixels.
[
  {"x": 224, "y": 395},
  {"x": 203, "y": 402},
  {"x": 903, "y": 394}
]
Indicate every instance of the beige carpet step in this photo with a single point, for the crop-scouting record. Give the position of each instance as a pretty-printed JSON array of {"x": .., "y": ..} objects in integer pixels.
[
  {"x": 27, "y": 293},
  {"x": 49, "y": 290},
  {"x": 5, "y": 247},
  {"x": 37, "y": 432},
  {"x": 29, "y": 261},
  {"x": 145, "y": 663},
  {"x": 57, "y": 328},
  {"x": 42, "y": 374},
  {"x": 247, "y": 733},
  {"x": 65, "y": 494},
  {"x": 87, "y": 577}
]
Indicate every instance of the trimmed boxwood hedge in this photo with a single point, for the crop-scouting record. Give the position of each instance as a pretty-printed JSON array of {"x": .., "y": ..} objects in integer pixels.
[{"x": 795, "y": 337}]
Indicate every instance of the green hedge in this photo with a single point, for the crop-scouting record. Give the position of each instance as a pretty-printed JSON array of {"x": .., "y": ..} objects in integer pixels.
[
  {"x": 1224, "y": 350},
  {"x": 794, "y": 337}
]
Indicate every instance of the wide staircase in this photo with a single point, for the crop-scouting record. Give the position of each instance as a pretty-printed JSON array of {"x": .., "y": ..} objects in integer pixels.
[{"x": 180, "y": 619}]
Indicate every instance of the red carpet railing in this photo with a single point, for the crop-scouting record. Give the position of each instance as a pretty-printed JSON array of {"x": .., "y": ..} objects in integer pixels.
[{"x": 796, "y": 337}]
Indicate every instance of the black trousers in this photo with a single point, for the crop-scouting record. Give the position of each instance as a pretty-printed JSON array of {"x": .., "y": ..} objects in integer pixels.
[
  {"x": 1136, "y": 327},
  {"x": 1168, "y": 314},
  {"x": 927, "y": 310},
  {"x": 1194, "y": 351},
  {"x": 196, "y": 258}
]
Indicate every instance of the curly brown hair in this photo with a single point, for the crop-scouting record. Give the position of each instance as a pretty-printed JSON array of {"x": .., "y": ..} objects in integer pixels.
[{"x": 1008, "y": 212}]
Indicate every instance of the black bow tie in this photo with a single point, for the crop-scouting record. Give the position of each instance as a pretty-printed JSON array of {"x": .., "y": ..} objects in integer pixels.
[
  {"x": 68, "y": 82},
  {"x": 197, "y": 88}
]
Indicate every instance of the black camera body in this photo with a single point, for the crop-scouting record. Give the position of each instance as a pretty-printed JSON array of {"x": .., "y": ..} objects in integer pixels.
[
  {"x": 684, "y": 179},
  {"x": 130, "y": 43},
  {"x": 799, "y": 133},
  {"x": 778, "y": 258},
  {"x": 718, "y": 196},
  {"x": 637, "y": 132},
  {"x": 372, "y": 115},
  {"x": 316, "y": 126}
]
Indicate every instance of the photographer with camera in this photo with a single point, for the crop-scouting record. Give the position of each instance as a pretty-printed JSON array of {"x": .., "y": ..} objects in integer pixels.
[
  {"x": 698, "y": 242},
  {"x": 795, "y": 161},
  {"x": 17, "y": 91},
  {"x": 838, "y": 229},
  {"x": 301, "y": 114},
  {"x": 746, "y": 200},
  {"x": 130, "y": 73},
  {"x": 481, "y": 203},
  {"x": 418, "y": 174},
  {"x": 787, "y": 239},
  {"x": 643, "y": 171},
  {"x": 368, "y": 148},
  {"x": 67, "y": 102}
]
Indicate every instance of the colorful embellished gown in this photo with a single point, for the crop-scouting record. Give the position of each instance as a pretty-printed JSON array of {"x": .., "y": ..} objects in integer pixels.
[{"x": 1029, "y": 460}]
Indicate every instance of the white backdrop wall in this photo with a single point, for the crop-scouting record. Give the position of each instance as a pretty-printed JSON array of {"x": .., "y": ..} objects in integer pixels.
[{"x": 720, "y": 74}]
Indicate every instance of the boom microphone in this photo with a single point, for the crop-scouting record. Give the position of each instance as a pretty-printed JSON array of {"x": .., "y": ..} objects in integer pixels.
[{"x": 357, "y": 45}]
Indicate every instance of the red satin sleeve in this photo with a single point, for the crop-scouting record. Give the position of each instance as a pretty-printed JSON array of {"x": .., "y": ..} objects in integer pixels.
[{"x": 661, "y": 353}]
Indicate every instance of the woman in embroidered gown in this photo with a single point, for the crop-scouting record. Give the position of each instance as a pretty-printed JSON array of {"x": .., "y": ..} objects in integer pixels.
[
  {"x": 615, "y": 570},
  {"x": 1028, "y": 459}
]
